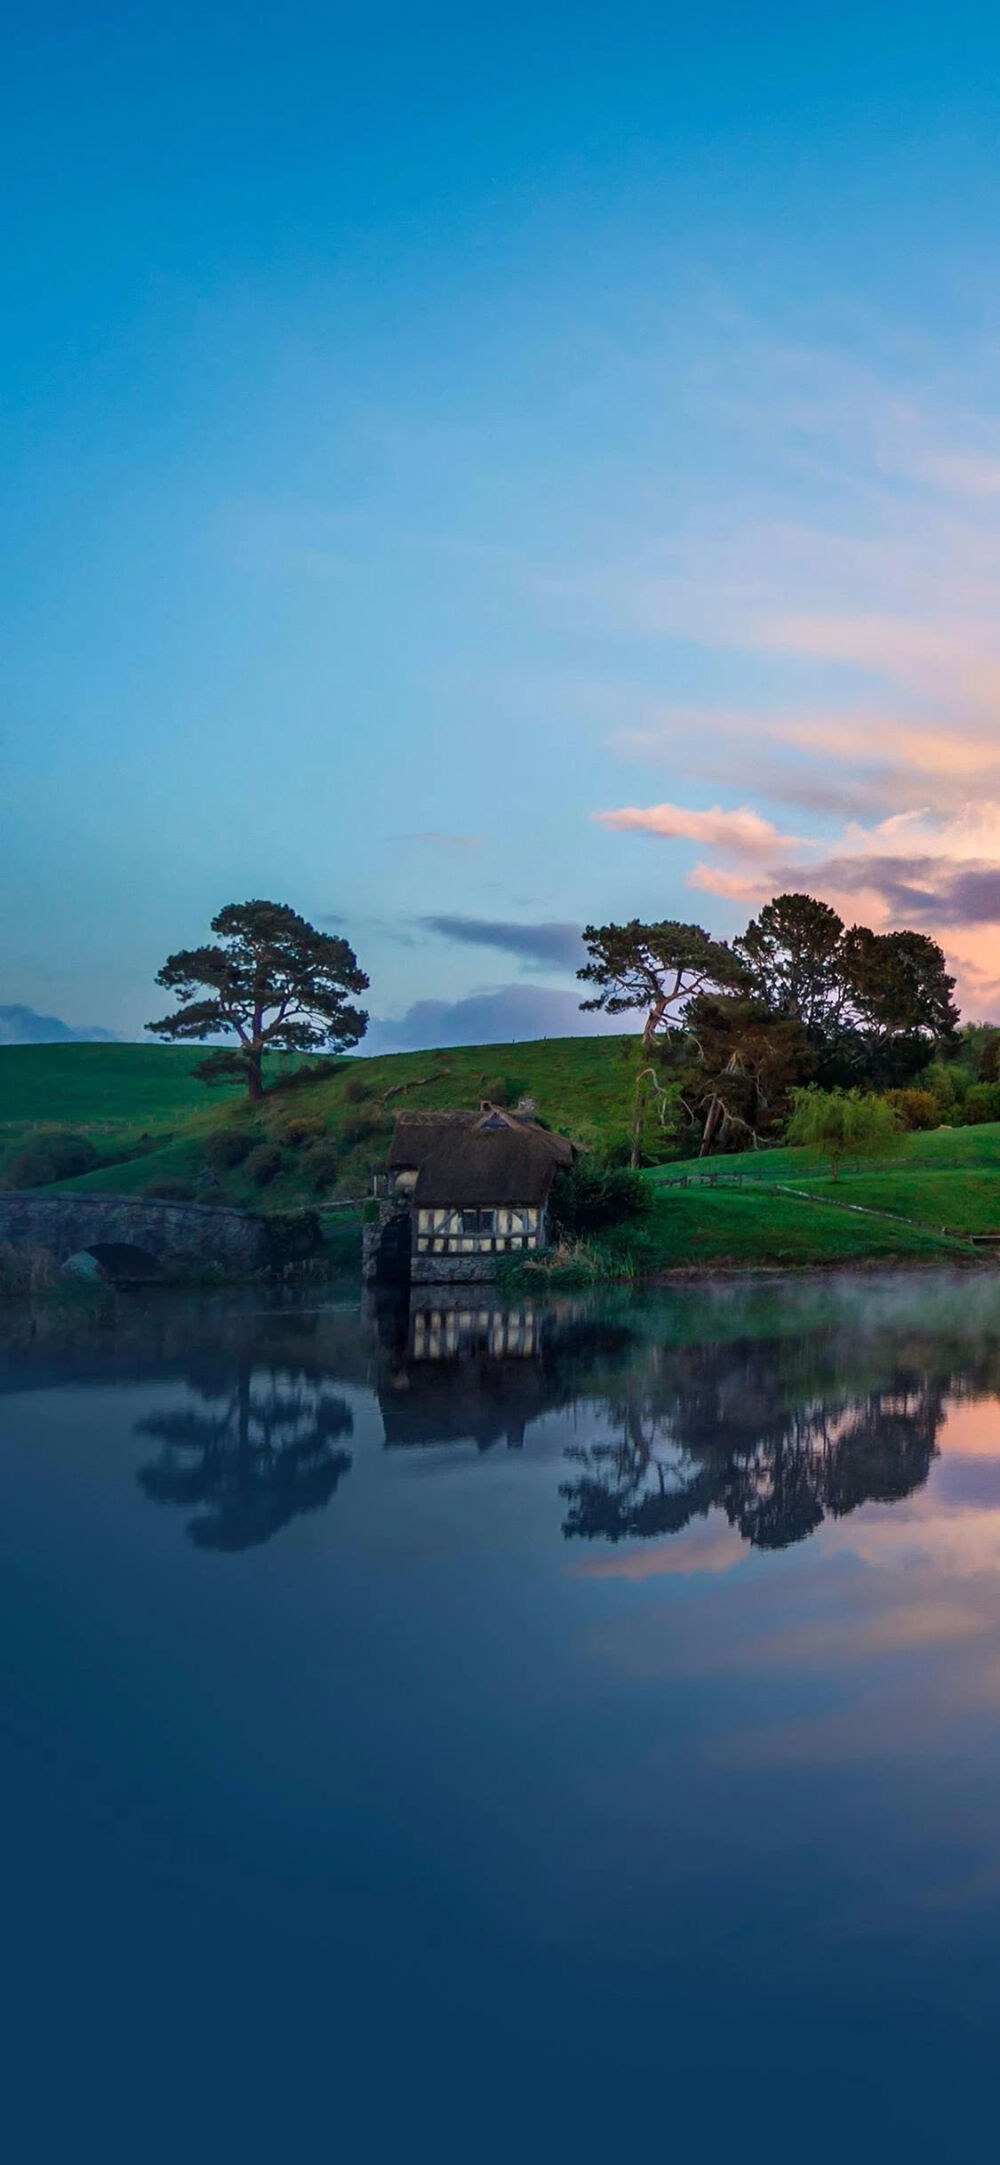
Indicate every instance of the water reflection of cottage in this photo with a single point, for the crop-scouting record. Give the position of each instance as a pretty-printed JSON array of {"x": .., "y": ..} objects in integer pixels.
[
  {"x": 443, "y": 1334},
  {"x": 465, "y": 1188},
  {"x": 455, "y": 1369}
]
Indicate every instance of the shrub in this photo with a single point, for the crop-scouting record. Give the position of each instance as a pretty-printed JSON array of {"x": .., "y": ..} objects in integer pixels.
[
  {"x": 292, "y": 1237},
  {"x": 264, "y": 1164},
  {"x": 988, "y": 1057},
  {"x": 227, "y": 1147},
  {"x": 302, "y": 1131},
  {"x": 590, "y": 1194},
  {"x": 916, "y": 1108},
  {"x": 363, "y": 1128},
  {"x": 301, "y": 1078},
  {"x": 170, "y": 1191},
  {"x": 58, "y": 1156},
  {"x": 321, "y": 1165},
  {"x": 982, "y": 1103},
  {"x": 502, "y": 1089},
  {"x": 357, "y": 1089}
]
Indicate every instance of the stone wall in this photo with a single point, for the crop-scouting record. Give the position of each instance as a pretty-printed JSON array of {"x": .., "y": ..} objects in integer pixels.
[
  {"x": 177, "y": 1236},
  {"x": 453, "y": 1269}
]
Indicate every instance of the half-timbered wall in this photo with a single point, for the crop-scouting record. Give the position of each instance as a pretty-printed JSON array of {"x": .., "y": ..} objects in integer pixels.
[{"x": 479, "y": 1232}]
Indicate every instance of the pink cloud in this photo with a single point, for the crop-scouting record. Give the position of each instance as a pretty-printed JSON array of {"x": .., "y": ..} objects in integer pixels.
[{"x": 744, "y": 831}]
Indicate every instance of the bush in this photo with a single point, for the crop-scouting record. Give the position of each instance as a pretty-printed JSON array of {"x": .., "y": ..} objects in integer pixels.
[
  {"x": 170, "y": 1191},
  {"x": 293, "y": 1236},
  {"x": 59, "y": 1156},
  {"x": 364, "y": 1128},
  {"x": 301, "y": 1078},
  {"x": 503, "y": 1089},
  {"x": 264, "y": 1164},
  {"x": 988, "y": 1057},
  {"x": 590, "y": 1194},
  {"x": 321, "y": 1164},
  {"x": 916, "y": 1108},
  {"x": 982, "y": 1103},
  {"x": 227, "y": 1147},
  {"x": 357, "y": 1090},
  {"x": 303, "y": 1131},
  {"x": 497, "y": 1088}
]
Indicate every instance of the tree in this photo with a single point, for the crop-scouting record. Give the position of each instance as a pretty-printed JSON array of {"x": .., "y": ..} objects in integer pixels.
[
  {"x": 874, "y": 1004},
  {"x": 791, "y": 954},
  {"x": 273, "y": 982},
  {"x": 896, "y": 986},
  {"x": 659, "y": 967},
  {"x": 737, "y": 1066},
  {"x": 840, "y": 1123}
]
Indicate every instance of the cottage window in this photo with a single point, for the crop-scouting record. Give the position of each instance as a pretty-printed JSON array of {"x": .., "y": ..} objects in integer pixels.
[{"x": 478, "y": 1221}]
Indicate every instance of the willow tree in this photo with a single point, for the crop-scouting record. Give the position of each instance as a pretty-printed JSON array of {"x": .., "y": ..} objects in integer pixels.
[
  {"x": 273, "y": 982},
  {"x": 836, "y": 1124}
]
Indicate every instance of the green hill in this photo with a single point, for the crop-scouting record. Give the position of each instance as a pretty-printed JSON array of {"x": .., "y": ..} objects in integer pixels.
[
  {"x": 151, "y": 1120},
  {"x": 324, "y": 1126}
]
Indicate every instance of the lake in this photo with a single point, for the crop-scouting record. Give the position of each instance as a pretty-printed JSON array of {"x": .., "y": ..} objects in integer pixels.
[{"x": 526, "y": 1731}]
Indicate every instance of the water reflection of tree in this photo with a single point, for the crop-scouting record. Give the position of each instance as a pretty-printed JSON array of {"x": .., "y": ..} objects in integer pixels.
[
  {"x": 265, "y": 1448},
  {"x": 767, "y": 1433}
]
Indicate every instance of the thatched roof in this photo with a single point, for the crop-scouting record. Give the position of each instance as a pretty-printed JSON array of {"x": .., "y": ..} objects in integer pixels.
[
  {"x": 417, "y": 1134},
  {"x": 487, "y": 1157}
]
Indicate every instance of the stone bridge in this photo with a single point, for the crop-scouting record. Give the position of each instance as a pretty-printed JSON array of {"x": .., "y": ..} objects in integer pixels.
[{"x": 134, "y": 1239}]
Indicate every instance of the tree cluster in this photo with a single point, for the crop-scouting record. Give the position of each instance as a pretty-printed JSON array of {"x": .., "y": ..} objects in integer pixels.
[{"x": 731, "y": 1029}]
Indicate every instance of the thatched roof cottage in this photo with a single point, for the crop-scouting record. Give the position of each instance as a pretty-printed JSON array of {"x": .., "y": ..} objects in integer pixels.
[{"x": 476, "y": 1185}]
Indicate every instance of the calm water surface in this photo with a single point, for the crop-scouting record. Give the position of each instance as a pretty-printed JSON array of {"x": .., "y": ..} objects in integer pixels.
[{"x": 504, "y": 1732}]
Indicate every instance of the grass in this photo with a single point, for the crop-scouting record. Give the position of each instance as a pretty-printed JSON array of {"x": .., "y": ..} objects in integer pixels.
[
  {"x": 948, "y": 1178},
  {"x": 150, "y": 1119},
  {"x": 751, "y": 1226}
]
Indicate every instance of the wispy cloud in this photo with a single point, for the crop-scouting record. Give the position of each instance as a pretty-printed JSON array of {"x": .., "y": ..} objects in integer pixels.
[
  {"x": 743, "y": 831},
  {"x": 545, "y": 945}
]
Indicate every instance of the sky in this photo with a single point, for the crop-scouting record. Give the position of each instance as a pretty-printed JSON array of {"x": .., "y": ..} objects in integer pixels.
[{"x": 468, "y": 473}]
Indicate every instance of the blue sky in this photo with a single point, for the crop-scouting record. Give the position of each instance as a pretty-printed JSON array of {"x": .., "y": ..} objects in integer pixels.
[{"x": 467, "y": 473}]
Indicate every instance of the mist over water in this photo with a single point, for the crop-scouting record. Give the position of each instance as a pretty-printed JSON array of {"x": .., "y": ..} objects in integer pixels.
[{"x": 486, "y": 1728}]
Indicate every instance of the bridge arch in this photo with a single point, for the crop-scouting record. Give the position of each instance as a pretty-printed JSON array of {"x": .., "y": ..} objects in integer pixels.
[{"x": 176, "y": 1237}]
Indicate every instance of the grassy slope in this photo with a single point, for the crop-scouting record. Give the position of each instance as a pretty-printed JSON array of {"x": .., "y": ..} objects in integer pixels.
[
  {"x": 120, "y": 1092},
  {"x": 948, "y": 1178},
  {"x": 117, "y": 1094}
]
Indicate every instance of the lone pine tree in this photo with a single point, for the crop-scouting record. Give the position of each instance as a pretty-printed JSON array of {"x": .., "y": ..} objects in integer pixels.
[{"x": 272, "y": 981}]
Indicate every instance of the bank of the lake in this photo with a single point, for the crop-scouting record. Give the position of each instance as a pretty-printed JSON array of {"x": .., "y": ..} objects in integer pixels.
[{"x": 154, "y": 1130}]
